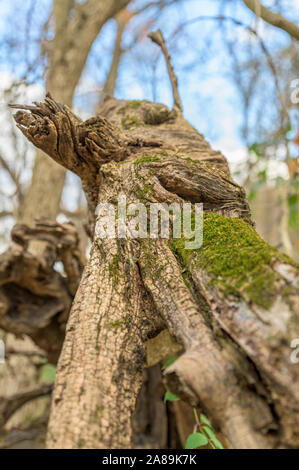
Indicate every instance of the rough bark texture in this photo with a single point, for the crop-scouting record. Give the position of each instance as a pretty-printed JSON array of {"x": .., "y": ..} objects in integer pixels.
[{"x": 232, "y": 304}]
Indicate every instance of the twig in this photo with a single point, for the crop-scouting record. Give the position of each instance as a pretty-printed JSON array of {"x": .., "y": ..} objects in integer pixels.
[
  {"x": 157, "y": 38},
  {"x": 11, "y": 404},
  {"x": 17, "y": 352},
  {"x": 262, "y": 45}
]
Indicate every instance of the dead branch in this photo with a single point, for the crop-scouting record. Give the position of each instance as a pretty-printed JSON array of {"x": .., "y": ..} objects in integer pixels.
[
  {"x": 275, "y": 19},
  {"x": 11, "y": 404},
  {"x": 79, "y": 147},
  {"x": 35, "y": 298},
  {"x": 157, "y": 37}
]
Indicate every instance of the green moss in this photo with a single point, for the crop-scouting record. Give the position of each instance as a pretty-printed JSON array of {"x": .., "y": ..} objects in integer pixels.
[
  {"x": 185, "y": 275},
  {"x": 114, "y": 325},
  {"x": 144, "y": 192},
  {"x": 147, "y": 159},
  {"x": 113, "y": 265},
  {"x": 190, "y": 161},
  {"x": 135, "y": 104},
  {"x": 130, "y": 121},
  {"x": 235, "y": 257},
  {"x": 98, "y": 412}
]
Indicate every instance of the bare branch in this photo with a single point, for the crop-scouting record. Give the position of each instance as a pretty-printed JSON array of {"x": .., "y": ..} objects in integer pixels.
[
  {"x": 275, "y": 19},
  {"x": 11, "y": 173},
  {"x": 5, "y": 214},
  {"x": 10, "y": 405},
  {"x": 157, "y": 37},
  {"x": 122, "y": 20},
  {"x": 35, "y": 298},
  {"x": 24, "y": 353}
]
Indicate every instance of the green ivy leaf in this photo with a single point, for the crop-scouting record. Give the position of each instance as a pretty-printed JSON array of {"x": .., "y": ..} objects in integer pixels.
[
  {"x": 212, "y": 437},
  {"x": 196, "y": 440},
  {"x": 209, "y": 432},
  {"x": 169, "y": 362},
  {"x": 47, "y": 374},
  {"x": 170, "y": 397},
  {"x": 204, "y": 419},
  {"x": 217, "y": 443}
]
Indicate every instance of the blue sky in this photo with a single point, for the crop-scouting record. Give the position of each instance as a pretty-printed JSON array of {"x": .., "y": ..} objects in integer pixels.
[
  {"x": 210, "y": 98},
  {"x": 211, "y": 101}
]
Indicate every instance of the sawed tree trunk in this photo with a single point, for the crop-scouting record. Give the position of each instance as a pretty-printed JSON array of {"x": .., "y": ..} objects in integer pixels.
[{"x": 232, "y": 304}]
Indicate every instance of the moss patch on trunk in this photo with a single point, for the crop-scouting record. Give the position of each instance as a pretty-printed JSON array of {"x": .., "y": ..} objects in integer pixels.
[{"x": 236, "y": 259}]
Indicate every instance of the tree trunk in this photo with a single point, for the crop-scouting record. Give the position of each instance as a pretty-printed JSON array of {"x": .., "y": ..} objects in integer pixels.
[{"x": 231, "y": 304}]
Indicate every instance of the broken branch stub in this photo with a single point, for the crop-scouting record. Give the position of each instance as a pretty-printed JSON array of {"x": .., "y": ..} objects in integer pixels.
[{"x": 79, "y": 147}]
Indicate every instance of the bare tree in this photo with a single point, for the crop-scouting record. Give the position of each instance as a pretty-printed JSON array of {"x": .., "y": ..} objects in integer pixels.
[{"x": 76, "y": 27}]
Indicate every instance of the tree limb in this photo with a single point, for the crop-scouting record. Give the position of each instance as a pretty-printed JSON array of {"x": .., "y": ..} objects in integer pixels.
[
  {"x": 11, "y": 404},
  {"x": 275, "y": 19},
  {"x": 157, "y": 37}
]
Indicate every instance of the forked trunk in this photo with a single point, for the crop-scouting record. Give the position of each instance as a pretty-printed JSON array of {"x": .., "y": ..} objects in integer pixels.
[{"x": 232, "y": 304}]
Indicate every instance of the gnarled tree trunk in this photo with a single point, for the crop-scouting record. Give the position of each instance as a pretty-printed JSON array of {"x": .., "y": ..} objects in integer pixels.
[{"x": 232, "y": 304}]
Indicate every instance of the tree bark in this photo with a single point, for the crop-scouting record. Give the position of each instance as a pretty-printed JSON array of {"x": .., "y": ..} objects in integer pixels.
[{"x": 232, "y": 304}]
